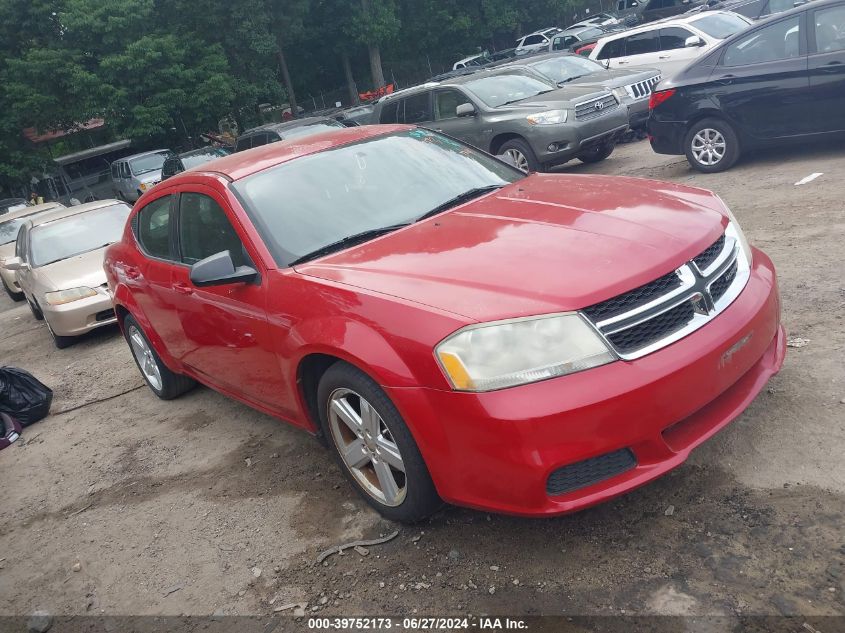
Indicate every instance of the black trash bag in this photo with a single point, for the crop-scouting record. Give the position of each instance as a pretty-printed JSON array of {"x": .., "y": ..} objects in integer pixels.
[{"x": 23, "y": 396}]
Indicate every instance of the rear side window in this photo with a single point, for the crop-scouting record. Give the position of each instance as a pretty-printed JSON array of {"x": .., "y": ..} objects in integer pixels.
[
  {"x": 612, "y": 49},
  {"x": 673, "y": 37},
  {"x": 642, "y": 43},
  {"x": 389, "y": 112},
  {"x": 775, "y": 42},
  {"x": 245, "y": 142},
  {"x": 418, "y": 108},
  {"x": 205, "y": 230},
  {"x": 154, "y": 228}
]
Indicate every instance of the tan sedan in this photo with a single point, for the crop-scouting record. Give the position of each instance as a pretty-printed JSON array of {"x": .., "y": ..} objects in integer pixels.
[
  {"x": 10, "y": 223},
  {"x": 58, "y": 264}
]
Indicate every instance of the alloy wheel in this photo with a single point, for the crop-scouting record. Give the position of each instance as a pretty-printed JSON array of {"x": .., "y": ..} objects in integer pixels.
[
  {"x": 519, "y": 159},
  {"x": 708, "y": 146},
  {"x": 144, "y": 356},
  {"x": 367, "y": 447}
]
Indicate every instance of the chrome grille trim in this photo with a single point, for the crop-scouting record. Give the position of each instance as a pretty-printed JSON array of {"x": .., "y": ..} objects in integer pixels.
[
  {"x": 595, "y": 108},
  {"x": 642, "y": 89},
  {"x": 695, "y": 290}
]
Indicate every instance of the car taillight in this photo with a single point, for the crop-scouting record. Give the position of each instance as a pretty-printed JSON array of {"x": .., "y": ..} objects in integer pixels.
[{"x": 659, "y": 97}]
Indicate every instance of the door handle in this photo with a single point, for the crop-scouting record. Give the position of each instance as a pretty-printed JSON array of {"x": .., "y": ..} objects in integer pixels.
[
  {"x": 726, "y": 80},
  {"x": 131, "y": 272},
  {"x": 183, "y": 289},
  {"x": 663, "y": 57},
  {"x": 832, "y": 67}
]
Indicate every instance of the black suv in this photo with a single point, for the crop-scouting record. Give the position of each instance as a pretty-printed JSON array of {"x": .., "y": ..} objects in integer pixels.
[{"x": 275, "y": 132}]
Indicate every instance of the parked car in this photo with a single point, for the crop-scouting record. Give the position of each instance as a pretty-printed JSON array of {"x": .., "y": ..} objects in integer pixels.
[
  {"x": 631, "y": 88},
  {"x": 10, "y": 224},
  {"x": 634, "y": 12},
  {"x": 454, "y": 329},
  {"x": 752, "y": 9},
  {"x": 11, "y": 204},
  {"x": 356, "y": 115},
  {"x": 479, "y": 59},
  {"x": 498, "y": 56},
  {"x": 574, "y": 37},
  {"x": 536, "y": 41},
  {"x": 274, "y": 132},
  {"x": 58, "y": 265},
  {"x": 669, "y": 45},
  {"x": 600, "y": 19},
  {"x": 782, "y": 81},
  {"x": 133, "y": 175},
  {"x": 516, "y": 112},
  {"x": 179, "y": 163}
]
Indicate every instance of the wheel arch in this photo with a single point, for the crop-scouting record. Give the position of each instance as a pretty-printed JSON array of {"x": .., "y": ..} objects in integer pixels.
[{"x": 501, "y": 139}]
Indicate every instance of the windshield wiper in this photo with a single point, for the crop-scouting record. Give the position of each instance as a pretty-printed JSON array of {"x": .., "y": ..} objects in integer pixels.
[
  {"x": 350, "y": 240},
  {"x": 457, "y": 200},
  {"x": 568, "y": 79}
]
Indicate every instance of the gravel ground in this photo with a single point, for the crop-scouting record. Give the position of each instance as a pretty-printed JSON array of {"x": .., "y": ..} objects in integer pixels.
[{"x": 119, "y": 503}]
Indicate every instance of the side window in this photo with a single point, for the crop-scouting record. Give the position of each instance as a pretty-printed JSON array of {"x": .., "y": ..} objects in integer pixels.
[
  {"x": 389, "y": 112},
  {"x": 533, "y": 39},
  {"x": 124, "y": 170},
  {"x": 446, "y": 104},
  {"x": 204, "y": 230},
  {"x": 244, "y": 142},
  {"x": 642, "y": 43},
  {"x": 273, "y": 137},
  {"x": 673, "y": 37},
  {"x": 259, "y": 139},
  {"x": 830, "y": 29},
  {"x": 418, "y": 108},
  {"x": 612, "y": 49},
  {"x": 115, "y": 171},
  {"x": 557, "y": 44},
  {"x": 777, "y": 41},
  {"x": 154, "y": 228},
  {"x": 20, "y": 245},
  {"x": 170, "y": 167}
]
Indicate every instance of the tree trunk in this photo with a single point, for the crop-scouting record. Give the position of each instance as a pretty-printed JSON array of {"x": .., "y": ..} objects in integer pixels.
[
  {"x": 375, "y": 66},
  {"x": 286, "y": 77},
  {"x": 350, "y": 80}
]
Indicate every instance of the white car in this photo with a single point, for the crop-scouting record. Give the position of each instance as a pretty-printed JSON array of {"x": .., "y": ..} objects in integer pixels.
[
  {"x": 536, "y": 41},
  {"x": 476, "y": 60},
  {"x": 601, "y": 19},
  {"x": 670, "y": 44}
]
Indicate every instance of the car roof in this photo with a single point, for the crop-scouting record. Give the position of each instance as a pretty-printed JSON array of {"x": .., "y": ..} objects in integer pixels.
[
  {"x": 681, "y": 20},
  {"x": 60, "y": 214},
  {"x": 38, "y": 208},
  {"x": 133, "y": 156},
  {"x": 287, "y": 125},
  {"x": 197, "y": 152},
  {"x": 242, "y": 164}
]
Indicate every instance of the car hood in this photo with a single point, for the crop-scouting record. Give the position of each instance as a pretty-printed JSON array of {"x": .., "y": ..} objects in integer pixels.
[
  {"x": 614, "y": 78},
  {"x": 548, "y": 243},
  {"x": 82, "y": 270},
  {"x": 559, "y": 98},
  {"x": 150, "y": 176}
]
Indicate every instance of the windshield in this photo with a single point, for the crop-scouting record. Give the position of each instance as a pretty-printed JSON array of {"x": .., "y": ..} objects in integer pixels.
[
  {"x": 721, "y": 25},
  {"x": 9, "y": 229},
  {"x": 77, "y": 234},
  {"x": 148, "y": 163},
  {"x": 314, "y": 201},
  {"x": 589, "y": 34},
  {"x": 198, "y": 158},
  {"x": 310, "y": 130},
  {"x": 567, "y": 67},
  {"x": 499, "y": 90}
]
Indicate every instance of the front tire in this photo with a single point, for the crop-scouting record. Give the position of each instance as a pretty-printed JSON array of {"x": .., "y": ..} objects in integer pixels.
[
  {"x": 61, "y": 342},
  {"x": 521, "y": 155},
  {"x": 373, "y": 446},
  {"x": 14, "y": 296},
  {"x": 597, "y": 154},
  {"x": 711, "y": 146},
  {"x": 164, "y": 383}
]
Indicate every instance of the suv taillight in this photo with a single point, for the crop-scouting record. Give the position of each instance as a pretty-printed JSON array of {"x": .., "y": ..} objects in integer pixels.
[{"x": 659, "y": 97}]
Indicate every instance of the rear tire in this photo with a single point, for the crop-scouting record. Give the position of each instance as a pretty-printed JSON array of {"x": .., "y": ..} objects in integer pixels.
[
  {"x": 521, "y": 154},
  {"x": 14, "y": 296},
  {"x": 597, "y": 154},
  {"x": 373, "y": 446},
  {"x": 711, "y": 146},
  {"x": 164, "y": 383}
]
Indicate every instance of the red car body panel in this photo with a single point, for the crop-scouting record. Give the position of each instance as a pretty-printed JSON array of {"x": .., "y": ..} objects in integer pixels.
[{"x": 384, "y": 305}]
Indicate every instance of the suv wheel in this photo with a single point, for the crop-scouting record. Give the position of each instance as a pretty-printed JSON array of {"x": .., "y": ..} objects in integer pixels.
[
  {"x": 597, "y": 153},
  {"x": 373, "y": 446},
  {"x": 164, "y": 383},
  {"x": 711, "y": 146},
  {"x": 520, "y": 155}
]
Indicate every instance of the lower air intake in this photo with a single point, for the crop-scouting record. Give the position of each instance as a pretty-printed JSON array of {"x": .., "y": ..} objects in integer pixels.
[{"x": 590, "y": 471}]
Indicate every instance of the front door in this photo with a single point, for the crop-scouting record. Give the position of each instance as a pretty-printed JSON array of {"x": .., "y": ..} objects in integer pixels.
[
  {"x": 827, "y": 68},
  {"x": 641, "y": 50},
  {"x": 762, "y": 83},
  {"x": 674, "y": 52},
  {"x": 226, "y": 332},
  {"x": 470, "y": 129}
]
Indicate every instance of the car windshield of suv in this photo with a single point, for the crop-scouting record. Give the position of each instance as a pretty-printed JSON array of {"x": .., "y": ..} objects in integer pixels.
[
  {"x": 148, "y": 163},
  {"x": 720, "y": 26},
  {"x": 567, "y": 67},
  {"x": 192, "y": 159},
  {"x": 500, "y": 90},
  {"x": 338, "y": 197},
  {"x": 77, "y": 234}
]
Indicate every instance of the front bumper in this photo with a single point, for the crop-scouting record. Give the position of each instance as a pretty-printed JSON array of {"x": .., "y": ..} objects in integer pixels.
[
  {"x": 575, "y": 137},
  {"x": 78, "y": 317},
  {"x": 496, "y": 451},
  {"x": 8, "y": 277},
  {"x": 637, "y": 112}
]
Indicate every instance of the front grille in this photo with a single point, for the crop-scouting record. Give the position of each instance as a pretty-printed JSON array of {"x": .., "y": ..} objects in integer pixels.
[
  {"x": 642, "y": 89},
  {"x": 650, "y": 331},
  {"x": 595, "y": 107},
  {"x": 633, "y": 298},
  {"x": 721, "y": 285},
  {"x": 665, "y": 310},
  {"x": 104, "y": 315},
  {"x": 709, "y": 256},
  {"x": 590, "y": 471}
]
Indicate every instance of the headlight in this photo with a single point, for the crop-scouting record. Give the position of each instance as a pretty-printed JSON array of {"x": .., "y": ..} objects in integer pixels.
[
  {"x": 551, "y": 117},
  {"x": 620, "y": 93},
  {"x": 735, "y": 231},
  {"x": 508, "y": 353},
  {"x": 61, "y": 297}
]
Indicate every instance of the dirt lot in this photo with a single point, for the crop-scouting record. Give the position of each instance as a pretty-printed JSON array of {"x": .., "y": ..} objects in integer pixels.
[{"x": 119, "y": 503}]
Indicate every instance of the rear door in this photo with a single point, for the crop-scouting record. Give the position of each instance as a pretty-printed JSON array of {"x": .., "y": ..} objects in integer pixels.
[
  {"x": 762, "y": 82},
  {"x": 641, "y": 49},
  {"x": 827, "y": 67}
]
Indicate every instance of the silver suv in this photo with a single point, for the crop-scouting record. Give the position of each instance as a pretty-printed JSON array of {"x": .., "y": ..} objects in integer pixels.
[
  {"x": 517, "y": 113},
  {"x": 134, "y": 175}
]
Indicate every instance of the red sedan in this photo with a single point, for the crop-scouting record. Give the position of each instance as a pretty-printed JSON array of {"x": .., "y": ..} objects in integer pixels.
[{"x": 454, "y": 329}]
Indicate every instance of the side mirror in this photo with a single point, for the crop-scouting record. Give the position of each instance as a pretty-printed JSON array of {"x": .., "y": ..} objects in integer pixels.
[
  {"x": 219, "y": 270},
  {"x": 14, "y": 263},
  {"x": 693, "y": 41},
  {"x": 465, "y": 109}
]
